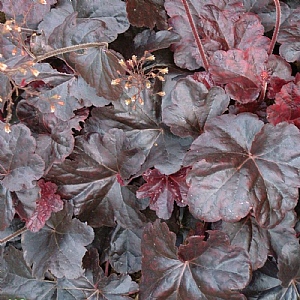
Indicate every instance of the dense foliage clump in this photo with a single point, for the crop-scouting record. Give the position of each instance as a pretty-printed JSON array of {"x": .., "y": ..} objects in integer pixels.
[{"x": 149, "y": 149}]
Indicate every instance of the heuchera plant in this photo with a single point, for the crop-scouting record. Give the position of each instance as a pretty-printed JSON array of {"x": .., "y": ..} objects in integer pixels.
[{"x": 149, "y": 149}]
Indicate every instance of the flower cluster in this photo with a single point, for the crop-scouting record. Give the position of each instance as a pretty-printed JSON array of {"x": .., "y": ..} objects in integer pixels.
[{"x": 138, "y": 77}]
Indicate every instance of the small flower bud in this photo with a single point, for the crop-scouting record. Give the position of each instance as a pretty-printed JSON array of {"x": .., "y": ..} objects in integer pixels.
[
  {"x": 122, "y": 63},
  {"x": 116, "y": 81},
  {"x": 161, "y": 93},
  {"x": 7, "y": 128},
  {"x": 150, "y": 58},
  {"x": 35, "y": 72},
  {"x": 160, "y": 78},
  {"x": 134, "y": 58},
  {"x": 148, "y": 84},
  {"x": 163, "y": 71},
  {"x": 3, "y": 67}
]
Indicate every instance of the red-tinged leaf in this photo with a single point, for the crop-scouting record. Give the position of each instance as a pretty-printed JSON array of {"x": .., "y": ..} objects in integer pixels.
[
  {"x": 7, "y": 210},
  {"x": 89, "y": 178},
  {"x": 26, "y": 12},
  {"x": 287, "y": 105},
  {"x": 279, "y": 74},
  {"x": 125, "y": 250},
  {"x": 241, "y": 71},
  {"x": 241, "y": 164},
  {"x": 18, "y": 168},
  {"x": 58, "y": 247},
  {"x": 48, "y": 202},
  {"x": 209, "y": 269},
  {"x": 257, "y": 108},
  {"x": 289, "y": 37},
  {"x": 192, "y": 106},
  {"x": 164, "y": 190},
  {"x": 222, "y": 26},
  {"x": 17, "y": 281},
  {"x": 147, "y": 13}
]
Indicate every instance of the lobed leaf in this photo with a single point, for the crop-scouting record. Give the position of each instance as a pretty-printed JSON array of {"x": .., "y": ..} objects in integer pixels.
[
  {"x": 209, "y": 269},
  {"x": 289, "y": 37},
  {"x": 125, "y": 250},
  {"x": 18, "y": 168},
  {"x": 58, "y": 247},
  {"x": 16, "y": 280},
  {"x": 241, "y": 71},
  {"x": 287, "y": 105},
  {"x": 48, "y": 202},
  {"x": 90, "y": 179},
  {"x": 192, "y": 105},
  {"x": 147, "y": 13},
  {"x": 164, "y": 190},
  {"x": 240, "y": 164}
]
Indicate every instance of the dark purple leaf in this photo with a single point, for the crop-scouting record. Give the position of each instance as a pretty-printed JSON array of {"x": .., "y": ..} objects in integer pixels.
[
  {"x": 48, "y": 202},
  {"x": 248, "y": 235},
  {"x": 95, "y": 285},
  {"x": 5, "y": 90},
  {"x": 125, "y": 250},
  {"x": 241, "y": 71},
  {"x": 209, "y": 269},
  {"x": 54, "y": 137},
  {"x": 265, "y": 9},
  {"x": 264, "y": 283},
  {"x": 16, "y": 280},
  {"x": 55, "y": 18},
  {"x": 147, "y": 13},
  {"x": 289, "y": 37},
  {"x": 192, "y": 105},
  {"x": 58, "y": 246},
  {"x": 98, "y": 67},
  {"x": 47, "y": 74},
  {"x": 65, "y": 98},
  {"x": 151, "y": 41},
  {"x": 241, "y": 164},
  {"x": 144, "y": 130},
  {"x": 258, "y": 241},
  {"x": 289, "y": 265},
  {"x": 164, "y": 190},
  {"x": 25, "y": 202},
  {"x": 18, "y": 168},
  {"x": 7, "y": 210},
  {"x": 26, "y": 12},
  {"x": 91, "y": 179}
]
